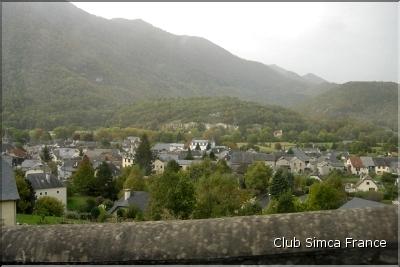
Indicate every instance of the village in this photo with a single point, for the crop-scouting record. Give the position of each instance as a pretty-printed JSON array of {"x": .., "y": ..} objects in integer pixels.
[{"x": 49, "y": 168}]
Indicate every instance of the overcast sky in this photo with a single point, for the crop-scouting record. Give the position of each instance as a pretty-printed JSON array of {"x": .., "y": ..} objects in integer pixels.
[{"x": 338, "y": 41}]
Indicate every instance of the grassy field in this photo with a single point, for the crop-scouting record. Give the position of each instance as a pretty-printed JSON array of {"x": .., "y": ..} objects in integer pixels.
[
  {"x": 76, "y": 202},
  {"x": 35, "y": 219}
]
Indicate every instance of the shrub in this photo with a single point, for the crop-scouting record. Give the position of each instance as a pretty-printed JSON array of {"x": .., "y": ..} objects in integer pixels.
[
  {"x": 72, "y": 215},
  {"x": 49, "y": 206},
  {"x": 95, "y": 212},
  {"x": 370, "y": 195}
]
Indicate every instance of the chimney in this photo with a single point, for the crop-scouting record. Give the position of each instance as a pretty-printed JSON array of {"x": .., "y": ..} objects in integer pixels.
[{"x": 127, "y": 194}]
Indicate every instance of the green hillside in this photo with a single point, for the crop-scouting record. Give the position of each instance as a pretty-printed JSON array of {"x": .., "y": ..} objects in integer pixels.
[
  {"x": 373, "y": 102},
  {"x": 61, "y": 65},
  {"x": 154, "y": 114}
]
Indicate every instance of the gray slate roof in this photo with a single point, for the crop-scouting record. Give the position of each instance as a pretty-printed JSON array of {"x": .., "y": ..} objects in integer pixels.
[
  {"x": 240, "y": 157},
  {"x": 138, "y": 198},
  {"x": 300, "y": 154},
  {"x": 8, "y": 186},
  {"x": 40, "y": 181},
  {"x": 361, "y": 203},
  {"x": 367, "y": 161}
]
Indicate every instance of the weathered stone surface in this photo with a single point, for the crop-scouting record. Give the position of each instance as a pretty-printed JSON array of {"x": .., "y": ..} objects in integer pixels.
[{"x": 225, "y": 240}]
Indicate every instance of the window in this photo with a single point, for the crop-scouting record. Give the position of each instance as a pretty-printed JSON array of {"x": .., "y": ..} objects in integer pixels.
[
  {"x": 40, "y": 193},
  {"x": 367, "y": 183},
  {"x": 58, "y": 192},
  {"x": 45, "y": 193}
]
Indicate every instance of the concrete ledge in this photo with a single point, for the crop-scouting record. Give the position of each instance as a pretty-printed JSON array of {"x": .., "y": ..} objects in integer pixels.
[{"x": 227, "y": 240}]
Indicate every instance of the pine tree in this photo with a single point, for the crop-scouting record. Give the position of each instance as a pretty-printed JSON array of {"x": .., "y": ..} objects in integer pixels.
[
  {"x": 198, "y": 147},
  {"x": 189, "y": 155},
  {"x": 46, "y": 156},
  {"x": 83, "y": 179},
  {"x": 104, "y": 183},
  {"x": 144, "y": 156},
  {"x": 279, "y": 184}
]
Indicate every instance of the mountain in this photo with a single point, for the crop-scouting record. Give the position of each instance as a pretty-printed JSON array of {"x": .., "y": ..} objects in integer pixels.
[
  {"x": 373, "y": 102},
  {"x": 61, "y": 65},
  {"x": 157, "y": 113},
  {"x": 308, "y": 78},
  {"x": 312, "y": 78}
]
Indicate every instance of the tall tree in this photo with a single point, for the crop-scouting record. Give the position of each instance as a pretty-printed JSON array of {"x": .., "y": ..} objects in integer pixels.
[
  {"x": 104, "y": 182},
  {"x": 135, "y": 179},
  {"x": 46, "y": 156},
  {"x": 257, "y": 177},
  {"x": 324, "y": 196},
  {"x": 172, "y": 193},
  {"x": 144, "y": 156},
  {"x": 189, "y": 155},
  {"x": 26, "y": 201},
  {"x": 279, "y": 184},
  {"x": 83, "y": 179},
  {"x": 219, "y": 195}
]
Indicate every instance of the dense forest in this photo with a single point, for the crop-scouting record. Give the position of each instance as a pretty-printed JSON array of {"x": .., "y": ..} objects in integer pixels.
[{"x": 373, "y": 102}]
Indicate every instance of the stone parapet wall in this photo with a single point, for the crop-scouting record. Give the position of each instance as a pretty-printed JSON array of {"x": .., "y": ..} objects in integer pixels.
[{"x": 233, "y": 240}]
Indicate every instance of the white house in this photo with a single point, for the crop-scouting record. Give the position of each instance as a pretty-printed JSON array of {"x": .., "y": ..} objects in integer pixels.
[
  {"x": 127, "y": 160},
  {"x": 159, "y": 166},
  {"x": 201, "y": 143},
  {"x": 45, "y": 184},
  {"x": 366, "y": 184},
  {"x": 355, "y": 166}
]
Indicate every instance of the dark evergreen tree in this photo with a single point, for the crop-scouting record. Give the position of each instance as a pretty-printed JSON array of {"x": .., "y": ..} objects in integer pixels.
[
  {"x": 83, "y": 179},
  {"x": 278, "y": 185},
  {"x": 212, "y": 156},
  {"x": 208, "y": 146},
  {"x": 189, "y": 155},
  {"x": 198, "y": 147},
  {"x": 144, "y": 156},
  {"x": 104, "y": 182},
  {"x": 26, "y": 201},
  {"x": 172, "y": 165},
  {"x": 46, "y": 156}
]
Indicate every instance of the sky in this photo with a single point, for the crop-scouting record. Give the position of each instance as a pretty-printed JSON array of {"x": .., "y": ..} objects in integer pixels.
[{"x": 339, "y": 42}]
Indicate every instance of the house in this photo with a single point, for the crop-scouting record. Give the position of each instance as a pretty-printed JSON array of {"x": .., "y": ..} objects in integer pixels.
[
  {"x": 45, "y": 184},
  {"x": 349, "y": 188},
  {"x": 297, "y": 165},
  {"x": 127, "y": 160},
  {"x": 31, "y": 164},
  {"x": 67, "y": 168},
  {"x": 355, "y": 166},
  {"x": 357, "y": 203},
  {"x": 159, "y": 166},
  {"x": 9, "y": 195},
  {"x": 241, "y": 158},
  {"x": 394, "y": 166},
  {"x": 366, "y": 184},
  {"x": 278, "y": 133},
  {"x": 130, "y": 144},
  {"x": 203, "y": 144},
  {"x": 368, "y": 163},
  {"x": 18, "y": 155},
  {"x": 327, "y": 166},
  {"x": 138, "y": 198},
  {"x": 64, "y": 153},
  {"x": 167, "y": 147},
  {"x": 381, "y": 166},
  {"x": 283, "y": 162}
]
